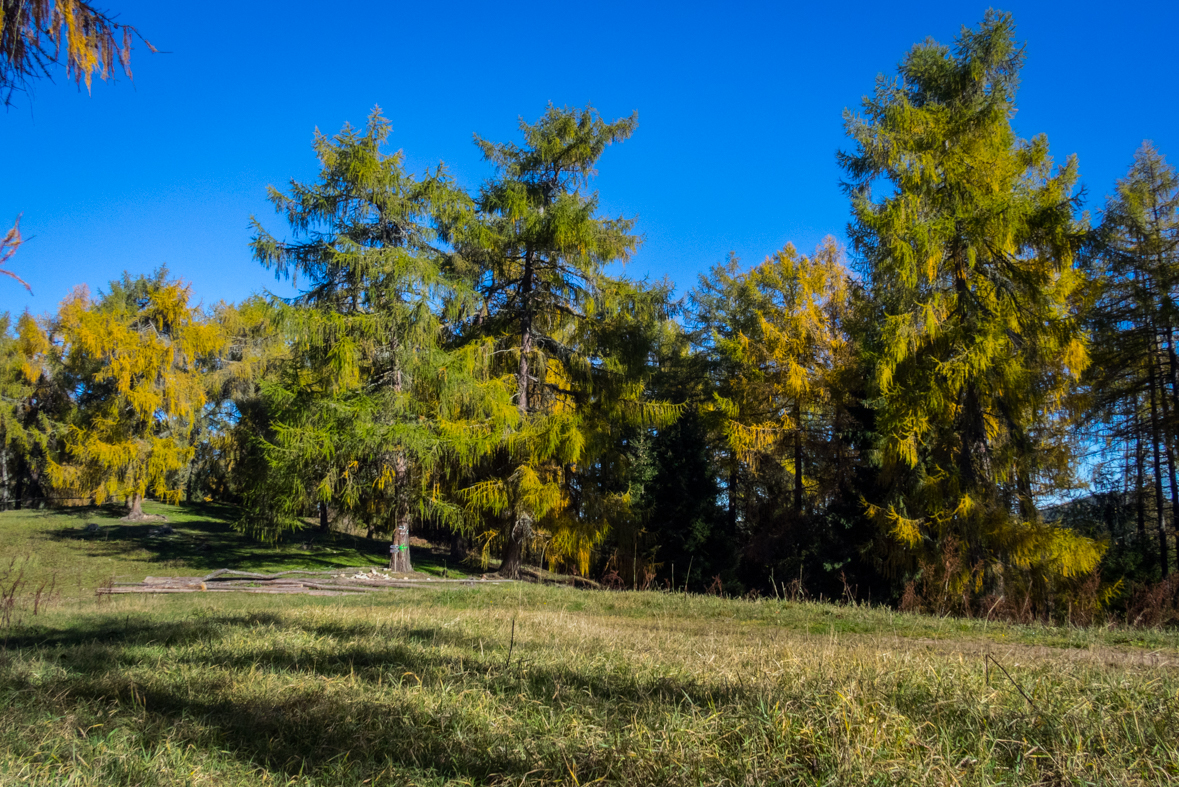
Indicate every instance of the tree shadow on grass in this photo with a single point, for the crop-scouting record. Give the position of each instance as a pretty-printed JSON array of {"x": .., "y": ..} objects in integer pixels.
[
  {"x": 203, "y": 539},
  {"x": 356, "y": 695}
]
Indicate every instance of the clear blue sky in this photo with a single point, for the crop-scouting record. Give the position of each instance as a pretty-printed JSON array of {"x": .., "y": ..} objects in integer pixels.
[{"x": 739, "y": 117}]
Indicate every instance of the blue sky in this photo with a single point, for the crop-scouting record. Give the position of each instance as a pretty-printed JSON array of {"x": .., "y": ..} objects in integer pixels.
[{"x": 740, "y": 115}]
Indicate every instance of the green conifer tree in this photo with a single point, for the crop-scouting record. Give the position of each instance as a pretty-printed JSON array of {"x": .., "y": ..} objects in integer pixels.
[
  {"x": 24, "y": 427},
  {"x": 1133, "y": 383},
  {"x": 970, "y": 261},
  {"x": 370, "y": 401},
  {"x": 539, "y": 249}
]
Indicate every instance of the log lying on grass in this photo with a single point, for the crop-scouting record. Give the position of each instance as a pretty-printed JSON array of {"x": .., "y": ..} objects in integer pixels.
[{"x": 337, "y": 582}]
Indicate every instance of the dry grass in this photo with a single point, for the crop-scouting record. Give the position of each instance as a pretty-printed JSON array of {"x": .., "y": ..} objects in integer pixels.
[{"x": 616, "y": 688}]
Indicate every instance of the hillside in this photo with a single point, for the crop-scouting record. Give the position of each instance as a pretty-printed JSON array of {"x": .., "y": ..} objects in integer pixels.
[{"x": 546, "y": 685}]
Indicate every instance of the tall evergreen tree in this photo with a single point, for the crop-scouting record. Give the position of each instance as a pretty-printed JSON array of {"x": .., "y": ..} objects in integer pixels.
[
  {"x": 970, "y": 259},
  {"x": 778, "y": 351},
  {"x": 370, "y": 400},
  {"x": 1133, "y": 383},
  {"x": 540, "y": 249},
  {"x": 25, "y": 428}
]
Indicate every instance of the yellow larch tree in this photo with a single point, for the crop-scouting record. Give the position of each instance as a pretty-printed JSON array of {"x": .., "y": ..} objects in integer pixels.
[
  {"x": 780, "y": 352},
  {"x": 136, "y": 353}
]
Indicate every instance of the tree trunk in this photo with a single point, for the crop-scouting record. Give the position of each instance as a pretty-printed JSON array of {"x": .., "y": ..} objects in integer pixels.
[
  {"x": 399, "y": 558},
  {"x": 1160, "y": 521},
  {"x": 135, "y": 507},
  {"x": 1140, "y": 491},
  {"x": 1168, "y": 442},
  {"x": 324, "y": 527},
  {"x": 975, "y": 460},
  {"x": 458, "y": 546},
  {"x": 521, "y": 528},
  {"x": 188, "y": 480},
  {"x": 3, "y": 477},
  {"x": 399, "y": 551},
  {"x": 798, "y": 459},
  {"x": 732, "y": 495}
]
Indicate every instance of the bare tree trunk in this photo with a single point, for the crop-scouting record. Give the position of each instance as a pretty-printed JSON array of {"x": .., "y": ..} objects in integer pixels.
[
  {"x": 324, "y": 527},
  {"x": 798, "y": 459},
  {"x": 135, "y": 506},
  {"x": 1140, "y": 490},
  {"x": 399, "y": 559},
  {"x": 1160, "y": 521},
  {"x": 1168, "y": 442},
  {"x": 3, "y": 477}
]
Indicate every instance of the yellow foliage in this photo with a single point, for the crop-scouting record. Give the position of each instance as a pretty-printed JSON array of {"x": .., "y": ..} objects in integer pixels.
[{"x": 135, "y": 438}]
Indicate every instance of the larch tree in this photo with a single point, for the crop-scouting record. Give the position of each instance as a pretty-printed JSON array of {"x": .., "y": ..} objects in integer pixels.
[
  {"x": 539, "y": 249},
  {"x": 136, "y": 355},
  {"x": 37, "y": 33},
  {"x": 606, "y": 382},
  {"x": 1133, "y": 384},
  {"x": 370, "y": 401},
  {"x": 778, "y": 352},
  {"x": 969, "y": 256},
  {"x": 783, "y": 358},
  {"x": 24, "y": 426}
]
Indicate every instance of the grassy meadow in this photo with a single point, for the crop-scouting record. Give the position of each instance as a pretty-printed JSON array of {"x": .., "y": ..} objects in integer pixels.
[{"x": 528, "y": 684}]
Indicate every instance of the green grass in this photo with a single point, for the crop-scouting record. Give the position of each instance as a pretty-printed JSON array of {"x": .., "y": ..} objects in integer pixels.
[
  {"x": 416, "y": 687},
  {"x": 53, "y": 545}
]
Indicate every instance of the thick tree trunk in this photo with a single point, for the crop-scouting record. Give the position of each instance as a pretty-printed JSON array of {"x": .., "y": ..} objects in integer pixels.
[
  {"x": 324, "y": 527},
  {"x": 458, "y": 546},
  {"x": 975, "y": 460},
  {"x": 518, "y": 535},
  {"x": 399, "y": 551},
  {"x": 399, "y": 557},
  {"x": 399, "y": 561},
  {"x": 135, "y": 507}
]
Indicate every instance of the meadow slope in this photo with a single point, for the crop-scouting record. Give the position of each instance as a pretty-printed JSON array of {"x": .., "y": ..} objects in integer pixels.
[{"x": 550, "y": 685}]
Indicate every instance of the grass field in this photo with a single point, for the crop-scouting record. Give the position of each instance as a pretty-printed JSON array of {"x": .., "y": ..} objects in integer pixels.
[
  {"x": 550, "y": 685},
  {"x": 54, "y": 546}
]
